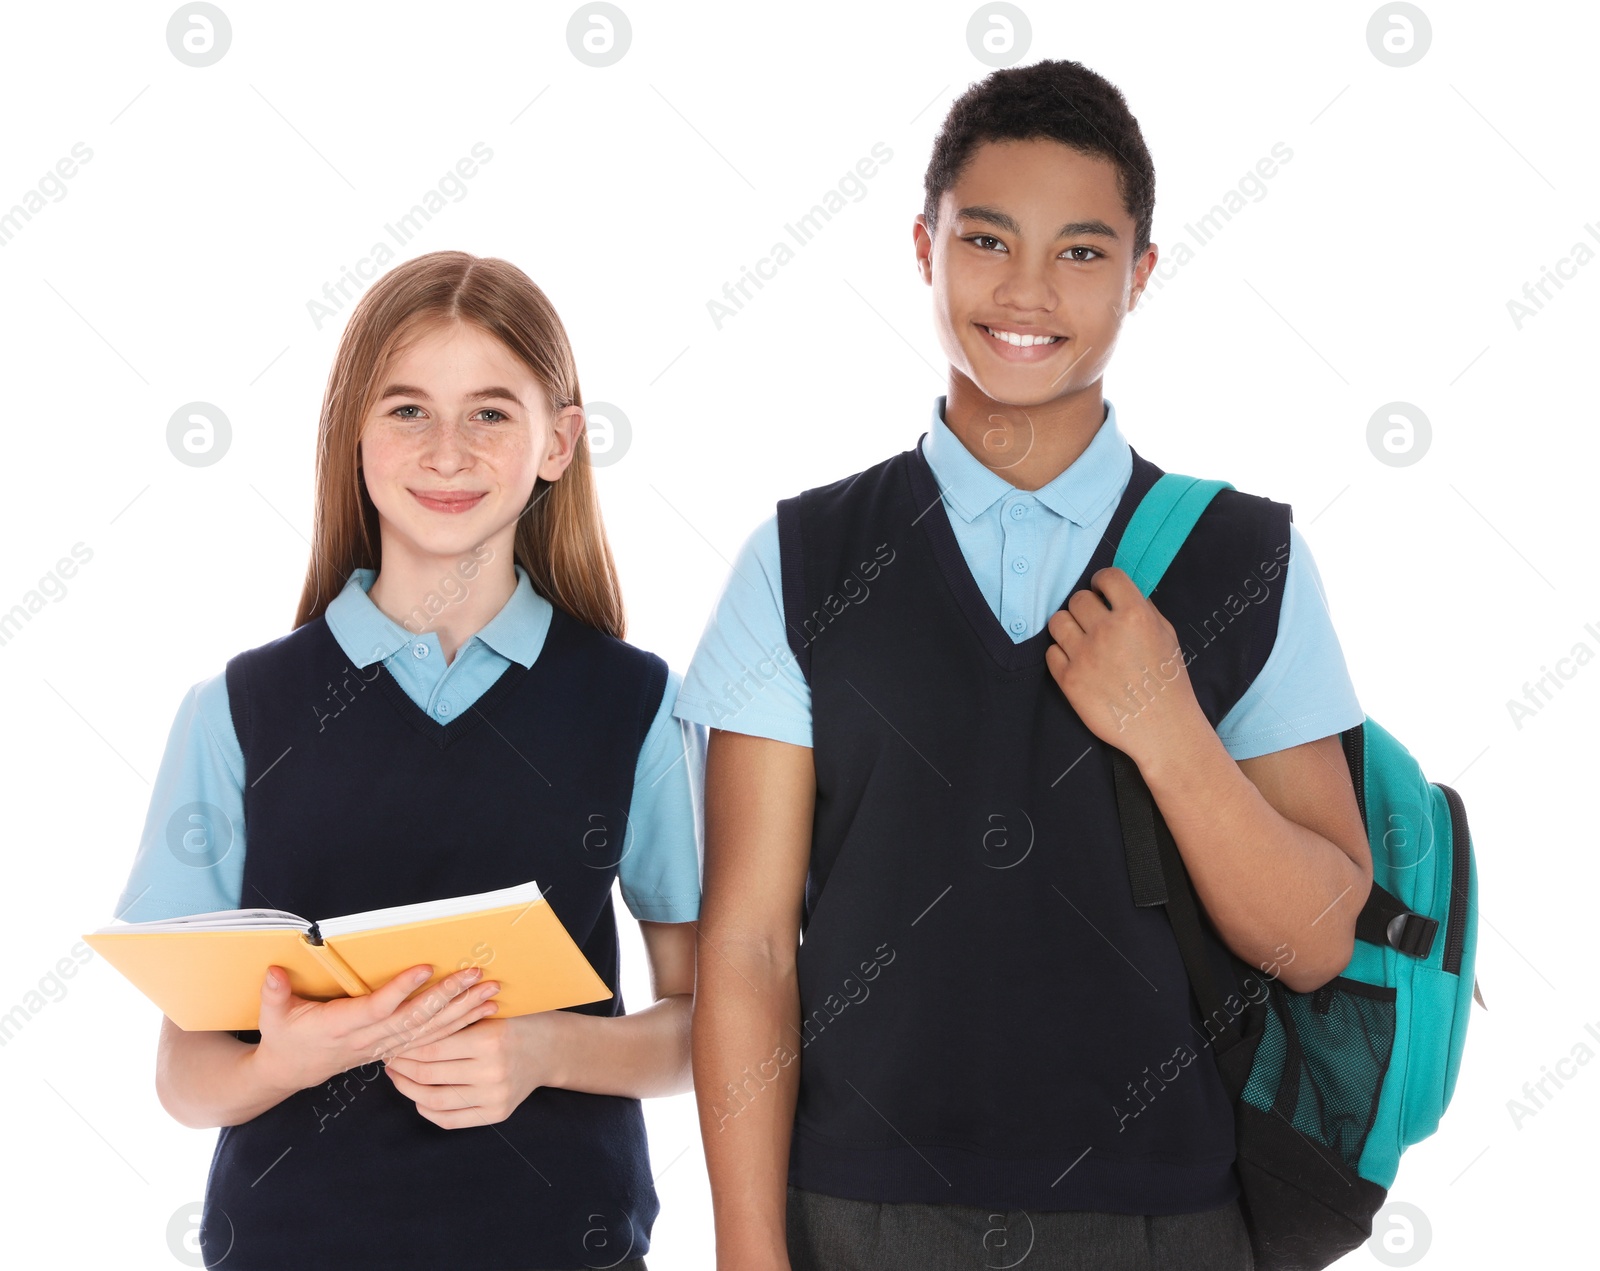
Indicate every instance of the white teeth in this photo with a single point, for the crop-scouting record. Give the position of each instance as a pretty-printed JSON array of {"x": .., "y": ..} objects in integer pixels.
[{"x": 1022, "y": 341}]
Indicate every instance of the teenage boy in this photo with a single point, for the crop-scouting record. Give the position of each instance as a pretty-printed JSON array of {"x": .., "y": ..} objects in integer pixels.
[{"x": 982, "y": 1053}]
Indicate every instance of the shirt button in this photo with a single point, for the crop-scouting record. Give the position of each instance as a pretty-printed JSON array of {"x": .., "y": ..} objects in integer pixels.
[
  {"x": 1019, "y": 626},
  {"x": 1020, "y": 565},
  {"x": 1018, "y": 511},
  {"x": 444, "y": 708},
  {"x": 419, "y": 650}
]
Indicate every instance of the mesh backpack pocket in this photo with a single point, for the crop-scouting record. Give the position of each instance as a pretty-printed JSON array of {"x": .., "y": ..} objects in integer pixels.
[{"x": 1323, "y": 1060}]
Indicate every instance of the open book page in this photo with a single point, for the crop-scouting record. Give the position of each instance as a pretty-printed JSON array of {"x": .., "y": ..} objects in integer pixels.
[
  {"x": 217, "y": 920},
  {"x": 423, "y": 911},
  {"x": 394, "y": 915}
]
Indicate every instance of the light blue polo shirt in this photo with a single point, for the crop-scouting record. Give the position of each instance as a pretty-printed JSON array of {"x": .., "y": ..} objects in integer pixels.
[
  {"x": 203, "y": 763},
  {"x": 1025, "y": 549}
]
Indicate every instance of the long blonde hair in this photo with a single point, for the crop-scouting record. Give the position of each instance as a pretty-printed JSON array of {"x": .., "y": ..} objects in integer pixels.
[{"x": 561, "y": 539}]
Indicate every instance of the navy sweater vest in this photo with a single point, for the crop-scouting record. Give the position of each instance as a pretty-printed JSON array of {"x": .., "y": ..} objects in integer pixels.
[
  {"x": 987, "y": 1018},
  {"x": 356, "y": 799}
]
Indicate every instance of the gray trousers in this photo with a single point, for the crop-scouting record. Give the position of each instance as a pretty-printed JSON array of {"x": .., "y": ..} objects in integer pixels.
[{"x": 829, "y": 1233}]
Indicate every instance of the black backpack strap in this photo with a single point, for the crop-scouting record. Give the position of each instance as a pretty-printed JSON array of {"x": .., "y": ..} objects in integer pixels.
[
  {"x": 1137, "y": 812},
  {"x": 1156, "y": 870},
  {"x": 1387, "y": 920}
]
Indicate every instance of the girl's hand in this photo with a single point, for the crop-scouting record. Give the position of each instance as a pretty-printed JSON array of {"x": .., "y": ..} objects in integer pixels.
[
  {"x": 304, "y": 1043},
  {"x": 480, "y": 1075}
]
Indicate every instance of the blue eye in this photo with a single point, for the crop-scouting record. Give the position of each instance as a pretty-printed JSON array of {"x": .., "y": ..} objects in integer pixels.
[
  {"x": 398, "y": 409},
  {"x": 490, "y": 410}
]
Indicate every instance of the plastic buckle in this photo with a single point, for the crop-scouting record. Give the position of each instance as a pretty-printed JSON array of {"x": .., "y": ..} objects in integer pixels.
[{"x": 1412, "y": 933}]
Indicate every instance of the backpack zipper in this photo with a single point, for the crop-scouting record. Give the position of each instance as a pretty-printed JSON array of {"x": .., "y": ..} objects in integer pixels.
[
  {"x": 1455, "y": 931},
  {"x": 1355, "y": 755}
]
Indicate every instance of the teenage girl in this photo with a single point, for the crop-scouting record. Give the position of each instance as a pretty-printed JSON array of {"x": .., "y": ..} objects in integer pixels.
[{"x": 455, "y": 711}]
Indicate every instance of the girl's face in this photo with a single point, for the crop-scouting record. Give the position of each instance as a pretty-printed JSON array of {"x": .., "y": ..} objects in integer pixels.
[{"x": 452, "y": 446}]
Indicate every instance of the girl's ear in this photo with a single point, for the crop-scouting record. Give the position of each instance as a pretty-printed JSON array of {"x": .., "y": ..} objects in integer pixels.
[{"x": 565, "y": 429}]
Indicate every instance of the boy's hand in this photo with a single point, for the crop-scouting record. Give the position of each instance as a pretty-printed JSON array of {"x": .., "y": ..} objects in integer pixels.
[
  {"x": 1121, "y": 668},
  {"x": 305, "y": 1042},
  {"x": 480, "y": 1075}
]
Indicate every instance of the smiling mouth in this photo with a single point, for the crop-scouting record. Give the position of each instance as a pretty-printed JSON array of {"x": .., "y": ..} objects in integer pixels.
[
  {"x": 1018, "y": 341},
  {"x": 447, "y": 502}
]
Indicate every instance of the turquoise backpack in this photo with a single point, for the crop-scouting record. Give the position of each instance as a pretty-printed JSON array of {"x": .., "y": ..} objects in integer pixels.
[{"x": 1328, "y": 1087}]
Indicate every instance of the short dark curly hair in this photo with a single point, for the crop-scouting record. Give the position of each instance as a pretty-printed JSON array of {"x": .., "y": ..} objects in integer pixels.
[{"x": 1063, "y": 101}]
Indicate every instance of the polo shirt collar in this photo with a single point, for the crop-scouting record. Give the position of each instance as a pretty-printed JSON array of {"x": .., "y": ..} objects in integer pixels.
[
  {"x": 368, "y": 635},
  {"x": 1080, "y": 493}
]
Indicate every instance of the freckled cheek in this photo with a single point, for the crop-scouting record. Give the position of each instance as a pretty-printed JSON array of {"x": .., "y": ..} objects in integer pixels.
[
  {"x": 514, "y": 460},
  {"x": 516, "y": 451},
  {"x": 380, "y": 457}
]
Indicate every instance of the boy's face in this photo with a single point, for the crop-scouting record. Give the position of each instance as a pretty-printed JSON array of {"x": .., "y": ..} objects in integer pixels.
[{"x": 1032, "y": 240}]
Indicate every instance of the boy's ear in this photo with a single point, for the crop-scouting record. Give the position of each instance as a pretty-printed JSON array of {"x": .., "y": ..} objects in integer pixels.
[
  {"x": 1142, "y": 269},
  {"x": 922, "y": 240}
]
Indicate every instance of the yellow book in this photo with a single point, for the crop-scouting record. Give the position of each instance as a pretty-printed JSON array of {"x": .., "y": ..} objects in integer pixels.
[{"x": 205, "y": 970}]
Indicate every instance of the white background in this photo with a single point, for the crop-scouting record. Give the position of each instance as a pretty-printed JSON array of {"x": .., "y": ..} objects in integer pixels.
[{"x": 1376, "y": 268}]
